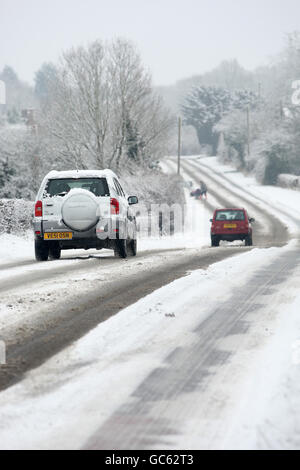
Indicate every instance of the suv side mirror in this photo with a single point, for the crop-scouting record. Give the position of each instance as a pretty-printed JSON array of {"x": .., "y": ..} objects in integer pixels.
[
  {"x": 211, "y": 220},
  {"x": 132, "y": 200},
  {"x": 251, "y": 220}
]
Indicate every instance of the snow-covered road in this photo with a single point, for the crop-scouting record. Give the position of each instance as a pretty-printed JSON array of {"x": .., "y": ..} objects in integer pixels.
[{"x": 192, "y": 364}]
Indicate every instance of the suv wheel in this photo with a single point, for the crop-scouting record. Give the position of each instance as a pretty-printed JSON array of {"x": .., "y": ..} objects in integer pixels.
[
  {"x": 121, "y": 248},
  {"x": 41, "y": 249},
  {"x": 54, "y": 251},
  {"x": 133, "y": 247}
]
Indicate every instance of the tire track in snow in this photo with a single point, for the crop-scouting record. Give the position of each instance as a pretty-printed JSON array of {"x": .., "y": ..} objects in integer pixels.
[{"x": 54, "y": 269}]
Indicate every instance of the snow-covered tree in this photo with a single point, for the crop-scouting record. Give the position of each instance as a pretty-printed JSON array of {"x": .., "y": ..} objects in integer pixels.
[
  {"x": 6, "y": 172},
  {"x": 103, "y": 109},
  {"x": 44, "y": 80},
  {"x": 242, "y": 99},
  {"x": 274, "y": 121},
  {"x": 24, "y": 159},
  {"x": 202, "y": 109}
]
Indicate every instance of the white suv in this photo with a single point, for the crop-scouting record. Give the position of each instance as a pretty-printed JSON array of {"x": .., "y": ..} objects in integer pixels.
[{"x": 83, "y": 209}]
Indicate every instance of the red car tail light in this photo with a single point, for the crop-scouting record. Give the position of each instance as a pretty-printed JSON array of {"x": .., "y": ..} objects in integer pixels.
[
  {"x": 38, "y": 211},
  {"x": 114, "y": 206}
]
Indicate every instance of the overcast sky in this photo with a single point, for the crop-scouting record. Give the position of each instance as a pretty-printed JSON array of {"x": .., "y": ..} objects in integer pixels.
[{"x": 176, "y": 38}]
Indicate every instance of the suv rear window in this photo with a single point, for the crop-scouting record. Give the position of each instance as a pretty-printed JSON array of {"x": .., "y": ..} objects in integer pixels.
[
  {"x": 230, "y": 215},
  {"x": 61, "y": 186}
]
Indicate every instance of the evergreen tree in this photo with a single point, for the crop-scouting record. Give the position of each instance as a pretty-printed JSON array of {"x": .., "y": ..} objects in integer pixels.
[
  {"x": 241, "y": 99},
  {"x": 45, "y": 77},
  {"x": 203, "y": 108},
  {"x": 9, "y": 76}
]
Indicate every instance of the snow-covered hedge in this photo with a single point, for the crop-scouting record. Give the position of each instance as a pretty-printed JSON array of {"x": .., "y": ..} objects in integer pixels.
[
  {"x": 15, "y": 215},
  {"x": 289, "y": 181}
]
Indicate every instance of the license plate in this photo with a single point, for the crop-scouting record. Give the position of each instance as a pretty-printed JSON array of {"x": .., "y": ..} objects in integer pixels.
[
  {"x": 58, "y": 236},
  {"x": 229, "y": 225}
]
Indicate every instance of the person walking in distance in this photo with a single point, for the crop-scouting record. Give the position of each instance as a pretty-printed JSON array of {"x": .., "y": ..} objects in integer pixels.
[{"x": 203, "y": 189}]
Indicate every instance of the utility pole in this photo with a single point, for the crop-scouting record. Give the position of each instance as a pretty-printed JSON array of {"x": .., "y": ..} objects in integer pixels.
[
  {"x": 281, "y": 110},
  {"x": 179, "y": 145},
  {"x": 248, "y": 131}
]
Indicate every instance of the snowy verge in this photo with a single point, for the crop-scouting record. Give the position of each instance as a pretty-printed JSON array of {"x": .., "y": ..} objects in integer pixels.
[
  {"x": 16, "y": 247},
  {"x": 269, "y": 414}
]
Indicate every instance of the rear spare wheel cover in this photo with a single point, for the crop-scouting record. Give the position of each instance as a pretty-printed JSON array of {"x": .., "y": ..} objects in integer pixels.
[{"x": 80, "y": 210}]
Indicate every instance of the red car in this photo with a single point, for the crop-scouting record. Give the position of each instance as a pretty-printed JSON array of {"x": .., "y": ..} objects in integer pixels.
[{"x": 230, "y": 225}]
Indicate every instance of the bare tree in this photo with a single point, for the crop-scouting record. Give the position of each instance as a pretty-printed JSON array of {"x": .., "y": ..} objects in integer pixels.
[
  {"x": 77, "y": 115},
  {"x": 132, "y": 85},
  {"x": 103, "y": 111}
]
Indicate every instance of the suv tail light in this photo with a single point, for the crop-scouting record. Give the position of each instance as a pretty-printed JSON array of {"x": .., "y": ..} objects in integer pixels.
[
  {"x": 38, "y": 211},
  {"x": 114, "y": 206}
]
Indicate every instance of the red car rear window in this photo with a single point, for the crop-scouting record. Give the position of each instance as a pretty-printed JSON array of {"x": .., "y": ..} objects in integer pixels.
[{"x": 230, "y": 215}]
